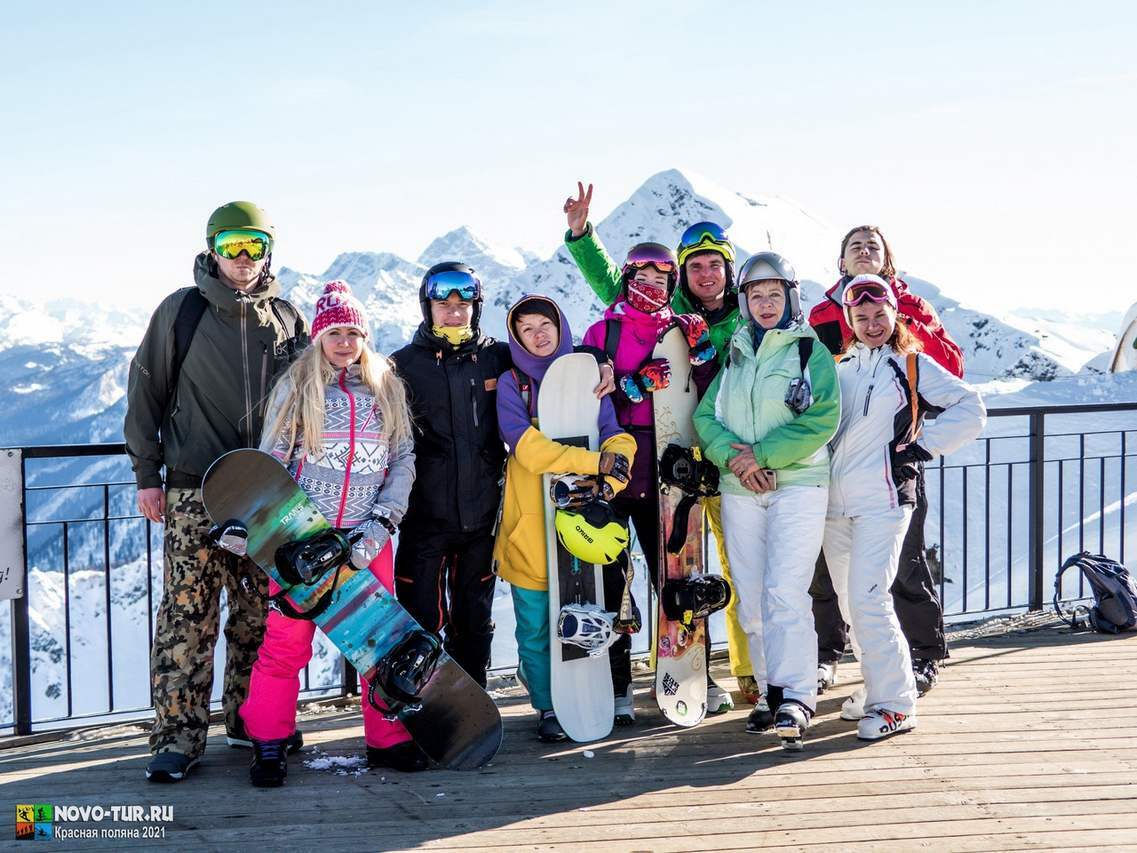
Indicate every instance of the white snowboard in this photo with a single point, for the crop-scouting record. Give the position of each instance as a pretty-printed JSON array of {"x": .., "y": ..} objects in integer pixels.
[
  {"x": 680, "y": 668},
  {"x": 567, "y": 411}
]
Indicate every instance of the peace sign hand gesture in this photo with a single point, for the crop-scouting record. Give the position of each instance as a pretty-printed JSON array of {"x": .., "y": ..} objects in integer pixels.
[{"x": 576, "y": 209}]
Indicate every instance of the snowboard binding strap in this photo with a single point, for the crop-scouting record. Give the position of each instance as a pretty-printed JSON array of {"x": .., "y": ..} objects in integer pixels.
[
  {"x": 685, "y": 468},
  {"x": 694, "y": 598},
  {"x": 404, "y": 671},
  {"x": 306, "y": 561},
  {"x": 628, "y": 619},
  {"x": 587, "y": 626}
]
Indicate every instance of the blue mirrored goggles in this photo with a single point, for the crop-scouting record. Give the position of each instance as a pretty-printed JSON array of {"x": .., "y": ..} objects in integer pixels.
[
  {"x": 694, "y": 235},
  {"x": 703, "y": 237},
  {"x": 442, "y": 284}
]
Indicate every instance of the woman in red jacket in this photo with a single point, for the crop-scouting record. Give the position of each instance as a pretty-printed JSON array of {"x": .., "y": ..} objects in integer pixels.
[{"x": 864, "y": 251}]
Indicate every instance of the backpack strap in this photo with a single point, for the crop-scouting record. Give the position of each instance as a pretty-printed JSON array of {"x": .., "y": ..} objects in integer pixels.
[
  {"x": 913, "y": 371},
  {"x": 804, "y": 351},
  {"x": 190, "y": 313},
  {"x": 525, "y": 388},
  {"x": 298, "y": 339},
  {"x": 611, "y": 339},
  {"x": 910, "y": 378},
  {"x": 1071, "y": 618}
]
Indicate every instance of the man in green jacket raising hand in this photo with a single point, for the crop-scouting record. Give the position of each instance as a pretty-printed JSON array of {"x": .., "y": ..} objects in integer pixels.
[{"x": 707, "y": 288}]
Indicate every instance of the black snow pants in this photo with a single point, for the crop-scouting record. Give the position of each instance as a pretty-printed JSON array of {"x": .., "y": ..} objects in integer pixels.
[{"x": 445, "y": 580}]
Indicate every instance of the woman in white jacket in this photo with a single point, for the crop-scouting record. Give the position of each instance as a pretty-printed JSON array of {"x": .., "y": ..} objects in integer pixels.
[{"x": 881, "y": 442}]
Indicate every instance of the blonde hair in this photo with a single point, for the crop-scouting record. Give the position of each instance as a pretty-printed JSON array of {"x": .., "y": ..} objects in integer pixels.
[{"x": 301, "y": 412}]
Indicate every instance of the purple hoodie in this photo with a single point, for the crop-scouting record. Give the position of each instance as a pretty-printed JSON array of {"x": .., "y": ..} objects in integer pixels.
[{"x": 512, "y": 417}]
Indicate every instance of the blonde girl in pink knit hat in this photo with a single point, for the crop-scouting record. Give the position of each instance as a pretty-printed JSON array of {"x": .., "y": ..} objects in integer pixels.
[{"x": 338, "y": 419}]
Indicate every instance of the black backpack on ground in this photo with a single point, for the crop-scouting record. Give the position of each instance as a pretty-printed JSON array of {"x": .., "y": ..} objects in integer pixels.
[{"x": 1115, "y": 595}]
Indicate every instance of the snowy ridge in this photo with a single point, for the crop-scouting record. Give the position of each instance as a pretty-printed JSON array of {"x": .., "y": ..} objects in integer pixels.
[{"x": 65, "y": 365}]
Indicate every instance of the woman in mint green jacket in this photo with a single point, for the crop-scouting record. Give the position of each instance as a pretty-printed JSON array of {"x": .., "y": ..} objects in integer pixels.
[{"x": 765, "y": 422}]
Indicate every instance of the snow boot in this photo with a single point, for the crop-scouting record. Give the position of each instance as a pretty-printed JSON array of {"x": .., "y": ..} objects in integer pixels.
[
  {"x": 238, "y": 738},
  {"x": 270, "y": 763},
  {"x": 548, "y": 729},
  {"x": 170, "y": 767},
  {"x": 405, "y": 757}
]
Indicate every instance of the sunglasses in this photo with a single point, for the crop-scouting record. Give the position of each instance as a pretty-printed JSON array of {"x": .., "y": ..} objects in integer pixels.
[
  {"x": 440, "y": 285},
  {"x": 230, "y": 244}
]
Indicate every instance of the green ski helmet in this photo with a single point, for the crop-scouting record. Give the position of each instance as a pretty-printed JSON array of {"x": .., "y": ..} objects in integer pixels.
[
  {"x": 237, "y": 214},
  {"x": 591, "y": 534}
]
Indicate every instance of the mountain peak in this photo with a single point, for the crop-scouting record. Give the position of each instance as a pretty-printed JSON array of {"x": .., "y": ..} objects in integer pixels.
[{"x": 462, "y": 244}]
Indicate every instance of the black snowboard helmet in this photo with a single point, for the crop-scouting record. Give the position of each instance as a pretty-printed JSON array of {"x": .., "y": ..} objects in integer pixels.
[{"x": 446, "y": 278}]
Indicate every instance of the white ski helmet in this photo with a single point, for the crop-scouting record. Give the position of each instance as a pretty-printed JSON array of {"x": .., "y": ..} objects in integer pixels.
[{"x": 769, "y": 266}]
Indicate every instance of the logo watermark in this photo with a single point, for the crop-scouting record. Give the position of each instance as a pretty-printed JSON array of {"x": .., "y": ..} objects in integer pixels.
[{"x": 52, "y": 821}]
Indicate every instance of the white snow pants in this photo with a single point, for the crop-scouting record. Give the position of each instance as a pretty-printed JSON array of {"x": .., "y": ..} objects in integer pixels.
[
  {"x": 772, "y": 542},
  {"x": 862, "y": 554}
]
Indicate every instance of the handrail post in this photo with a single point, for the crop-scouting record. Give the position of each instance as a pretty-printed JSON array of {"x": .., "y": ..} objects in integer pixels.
[
  {"x": 21, "y": 624},
  {"x": 1036, "y": 527}
]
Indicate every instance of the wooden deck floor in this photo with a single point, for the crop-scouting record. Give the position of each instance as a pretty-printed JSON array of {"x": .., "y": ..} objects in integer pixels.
[{"x": 1029, "y": 741}]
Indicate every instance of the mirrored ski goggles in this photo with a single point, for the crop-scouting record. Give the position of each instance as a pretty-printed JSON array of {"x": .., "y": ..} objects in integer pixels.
[
  {"x": 442, "y": 284},
  {"x": 662, "y": 266},
  {"x": 229, "y": 244},
  {"x": 704, "y": 237},
  {"x": 870, "y": 291}
]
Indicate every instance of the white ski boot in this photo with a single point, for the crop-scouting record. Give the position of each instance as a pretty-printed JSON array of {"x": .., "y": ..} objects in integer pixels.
[
  {"x": 853, "y": 708},
  {"x": 881, "y": 723},
  {"x": 826, "y": 676}
]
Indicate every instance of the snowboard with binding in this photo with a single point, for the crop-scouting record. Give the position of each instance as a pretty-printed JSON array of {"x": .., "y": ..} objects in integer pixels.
[
  {"x": 567, "y": 412},
  {"x": 247, "y": 492},
  {"x": 680, "y": 669}
]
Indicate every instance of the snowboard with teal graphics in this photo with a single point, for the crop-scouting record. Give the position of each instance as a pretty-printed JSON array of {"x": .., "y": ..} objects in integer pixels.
[
  {"x": 455, "y": 723},
  {"x": 568, "y": 412},
  {"x": 680, "y": 668}
]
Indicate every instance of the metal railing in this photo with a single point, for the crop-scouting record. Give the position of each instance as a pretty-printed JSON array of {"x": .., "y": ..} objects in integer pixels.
[{"x": 1001, "y": 558}]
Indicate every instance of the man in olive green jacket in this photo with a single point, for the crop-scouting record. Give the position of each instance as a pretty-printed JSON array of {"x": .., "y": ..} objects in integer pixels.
[
  {"x": 706, "y": 287},
  {"x": 197, "y": 389}
]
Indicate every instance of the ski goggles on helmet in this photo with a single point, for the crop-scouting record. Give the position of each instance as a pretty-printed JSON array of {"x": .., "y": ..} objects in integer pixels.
[
  {"x": 645, "y": 255},
  {"x": 705, "y": 237},
  {"x": 230, "y": 243},
  {"x": 868, "y": 287},
  {"x": 440, "y": 285}
]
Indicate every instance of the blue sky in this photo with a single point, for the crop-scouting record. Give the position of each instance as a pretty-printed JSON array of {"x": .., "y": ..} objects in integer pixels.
[{"x": 993, "y": 141}]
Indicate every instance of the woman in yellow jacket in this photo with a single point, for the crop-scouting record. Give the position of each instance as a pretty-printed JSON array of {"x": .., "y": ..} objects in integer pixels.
[{"x": 538, "y": 335}]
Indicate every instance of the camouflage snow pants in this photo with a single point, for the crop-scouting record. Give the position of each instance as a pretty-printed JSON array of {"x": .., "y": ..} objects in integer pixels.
[{"x": 181, "y": 662}]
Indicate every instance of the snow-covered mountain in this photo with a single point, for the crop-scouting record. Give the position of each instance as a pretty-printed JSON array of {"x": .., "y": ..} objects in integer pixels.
[{"x": 64, "y": 362}]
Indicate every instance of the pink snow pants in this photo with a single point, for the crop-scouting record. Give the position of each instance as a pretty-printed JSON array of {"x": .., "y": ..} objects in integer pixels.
[{"x": 270, "y": 711}]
